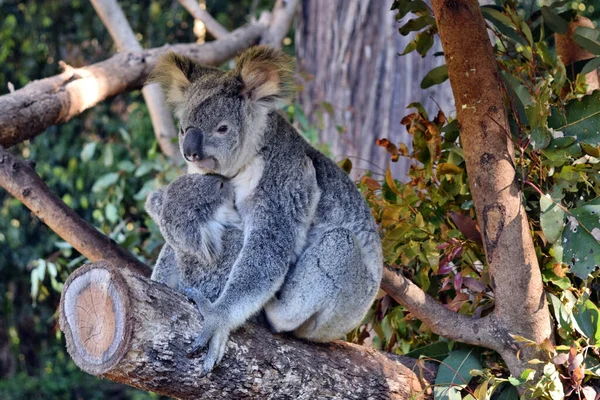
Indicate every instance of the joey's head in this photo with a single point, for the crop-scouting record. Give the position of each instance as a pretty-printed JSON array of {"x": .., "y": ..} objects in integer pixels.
[
  {"x": 223, "y": 114},
  {"x": 192, "y": 212}
]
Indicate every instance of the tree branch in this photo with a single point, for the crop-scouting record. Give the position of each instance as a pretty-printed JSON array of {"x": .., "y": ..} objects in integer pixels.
[
  {"x": 164, "y": 128},
  {"x": 520, "y": 302},
  {"x": 27, "y": 112},
  {"x": 446, "y": 323},
  {"x": 281, "y": 19},
  {"x": 212, "y": 25},
  {"x": 21, "y": 181},
  {"x": 126, "y": 328}
]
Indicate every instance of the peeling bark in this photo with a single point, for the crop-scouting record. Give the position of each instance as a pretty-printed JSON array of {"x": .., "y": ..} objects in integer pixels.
[
  {"x": 520, "y": 303},
  {"x": 126, "y": 328},
  {"x": 27, "y": 112}
]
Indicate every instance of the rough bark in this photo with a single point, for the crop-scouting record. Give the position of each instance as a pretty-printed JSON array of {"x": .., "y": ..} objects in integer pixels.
[
  {"x": 283, "y": 14},
  {"x": 27, "y": 112},
  {"x": 126, "y": 328},
  {"x": 570, "y": 52},
  {"x": 520, "y": 302},
  {"x": 21, "y": 181},
  {"x": 114, "y": 20},
  {"x": 211, "y": 24},
  {"x": 349, "y": 51}
]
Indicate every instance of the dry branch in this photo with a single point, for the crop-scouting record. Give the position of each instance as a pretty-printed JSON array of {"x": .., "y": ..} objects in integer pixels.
[
  {"x": 29, "y": 111},
  {"x": 114, "y": 20},
  {"x": 520, "y": 302},
  {"x": 126, "y": 328},
  {"x": 282, "y": 16},
  {"x": 212, "y": 25},
  {"x": 21, "y": 181}
]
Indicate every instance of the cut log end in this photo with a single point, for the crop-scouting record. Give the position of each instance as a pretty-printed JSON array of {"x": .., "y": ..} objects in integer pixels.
[{"x": 94, "y": 316}]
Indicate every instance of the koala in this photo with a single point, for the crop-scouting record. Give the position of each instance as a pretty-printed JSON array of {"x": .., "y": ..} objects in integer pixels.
[
  {"x": 202, "y": 230},
  {"x": 311, "y": 255}
]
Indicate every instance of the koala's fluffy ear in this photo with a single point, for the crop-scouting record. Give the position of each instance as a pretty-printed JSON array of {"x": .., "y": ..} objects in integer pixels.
[
  {"x": 267, "y": 75},
  {"x": 174, "y": 73},
  {"x": 154, "y": 204}
]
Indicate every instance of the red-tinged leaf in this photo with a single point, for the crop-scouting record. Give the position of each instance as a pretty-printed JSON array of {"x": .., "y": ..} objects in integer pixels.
[
  {"x": 409, "y": 119},
  {"x": 445, "y": 267},
  {"x": 440, "y": 118},
  {"x": 385, "y": 304},
  {"x": 473, "y": 284},
  {"x": 560, "y": 359},
  {"x": 456, "y": 252},
  {"x": 589, "y": 393},
  {"x": 442, "y": 246},
  {"x": 390, "y": 148},
  {"x": 576, "y": 362},
  {"x": 371, "y": 183},
  {"x": 467, "y": 226},
  {"x": 457, "y": 302},
  {"x": 458, "y": 281}
]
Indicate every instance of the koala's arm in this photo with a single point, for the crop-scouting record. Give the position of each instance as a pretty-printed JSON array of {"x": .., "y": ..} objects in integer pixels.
[{"x": 166, "y": 269}]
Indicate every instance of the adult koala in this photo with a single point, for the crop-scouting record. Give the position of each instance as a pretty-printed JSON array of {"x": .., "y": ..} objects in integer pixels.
[{"x": 311, "y": 254}]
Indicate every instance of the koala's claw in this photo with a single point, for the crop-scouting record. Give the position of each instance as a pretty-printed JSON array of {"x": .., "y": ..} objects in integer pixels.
[
  {"x": 202, "y": 303},
  {"x": 216, "y": 340}
]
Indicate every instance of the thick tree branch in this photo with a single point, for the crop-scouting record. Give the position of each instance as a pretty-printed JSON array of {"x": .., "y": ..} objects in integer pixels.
[
  {"x": 21, "y": 181},
  {"x": 126, "y": 328},
  {"x": 281, "y": 19},
  {"x": 29, "y": 111},
  {"x": 114, "y": 20},
  {"x": 520, "y": 302},
  {"x": 212, "y": 25}
]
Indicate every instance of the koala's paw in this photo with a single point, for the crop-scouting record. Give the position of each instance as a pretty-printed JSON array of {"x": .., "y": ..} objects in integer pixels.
[{"x": 214, "y": 332}]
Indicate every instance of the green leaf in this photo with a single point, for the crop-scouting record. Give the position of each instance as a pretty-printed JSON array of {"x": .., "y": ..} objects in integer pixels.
[
  {"x": 502, "y": 22},
  {"x": 437, "y": 351},
  {"x": 551, "y": 218},
  {"x": 410, "y": 47},
  {"x": 88, "y": 151},
  {"x": 540, "y": 138},
  {"x": 580, "y": 239},
  {"x": 579, "y": 119},
  {"x": 586, "y": 314},
  {"x": 553, "y": 21},
  {"x": 588, "y": 38},
  {"x": 416, "y": 24},
  {"x": 435, "y": 77},
  {"x": 105, "y": 181},
  {"x": 424, "y": 42},
  {"x": 454, "y": 374},
  {"x": 591, "y": 65},
  {"x": 111, "y": 212}
]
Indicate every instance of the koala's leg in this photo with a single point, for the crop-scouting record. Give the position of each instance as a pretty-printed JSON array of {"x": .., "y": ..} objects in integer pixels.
[
  {"x": 327, "y": 293},
  {"x": 166, "y": 269}
]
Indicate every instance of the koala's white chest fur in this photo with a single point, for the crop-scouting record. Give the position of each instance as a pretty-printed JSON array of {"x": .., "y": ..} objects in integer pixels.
[{"x": 247, "y": 180}]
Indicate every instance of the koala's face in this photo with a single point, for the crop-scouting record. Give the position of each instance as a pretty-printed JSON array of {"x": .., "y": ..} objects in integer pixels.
[
  {"x": 192, "y": 209},
  {"x": 213, "y": 135},
  {"x": 223, "y": 114}
]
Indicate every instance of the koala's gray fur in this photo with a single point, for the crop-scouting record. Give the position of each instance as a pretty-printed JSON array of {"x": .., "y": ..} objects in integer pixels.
[
  {"x": 311, "y": 254},
  {"x": 196, "y": 216}
]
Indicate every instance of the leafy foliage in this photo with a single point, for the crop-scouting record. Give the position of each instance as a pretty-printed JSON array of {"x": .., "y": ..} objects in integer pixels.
[{"x": 428, "y": 222}]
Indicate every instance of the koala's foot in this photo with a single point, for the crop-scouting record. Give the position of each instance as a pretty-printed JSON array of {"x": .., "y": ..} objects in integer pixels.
[{"x": 214, "y": 332}]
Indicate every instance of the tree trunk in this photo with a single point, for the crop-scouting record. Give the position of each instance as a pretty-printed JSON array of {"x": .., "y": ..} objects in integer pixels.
[
  {"x": 124, "y": 327},
  {"x": 520, "y": 302},
  {"x": 349, "y": 48}
]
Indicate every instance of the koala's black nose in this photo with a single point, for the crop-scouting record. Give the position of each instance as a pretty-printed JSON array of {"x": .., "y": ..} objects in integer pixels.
[{"x": 192, "y": 144}]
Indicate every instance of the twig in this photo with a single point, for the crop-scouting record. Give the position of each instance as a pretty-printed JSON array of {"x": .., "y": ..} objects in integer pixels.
[
  {"x": 283, "y": 13},
  {"x": 212, "y": 25}
]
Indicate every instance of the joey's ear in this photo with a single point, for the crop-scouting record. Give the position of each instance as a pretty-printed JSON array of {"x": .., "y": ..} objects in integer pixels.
[
  {"x": 154, "y": 204},
  {"x": 267, "y": 75},
  {"x": 174, "y": 73}
]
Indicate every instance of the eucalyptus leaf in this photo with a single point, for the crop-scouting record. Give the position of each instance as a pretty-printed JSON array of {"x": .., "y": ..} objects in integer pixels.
[
  {"x": 591, "y": 65},
  {"x": 588, "y": 38},
  {"x": 454, "y": 373},
  {"x": 579, "y": 119},
  {"x": 105, "y": 181},
  {"x": 554, "y": 21},
  {"x": 580, "y": 239},
  {"x": 435, "y": 77},
  {"x": 551, "y": 218}
]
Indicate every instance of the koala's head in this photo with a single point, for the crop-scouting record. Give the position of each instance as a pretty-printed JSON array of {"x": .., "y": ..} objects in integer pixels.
[
  {"x": 222, "y": 114},
  {"x": 192, "y": 212}
]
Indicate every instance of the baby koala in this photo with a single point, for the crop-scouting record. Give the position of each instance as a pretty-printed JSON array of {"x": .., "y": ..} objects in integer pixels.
[{"x": 202, "y": 230}]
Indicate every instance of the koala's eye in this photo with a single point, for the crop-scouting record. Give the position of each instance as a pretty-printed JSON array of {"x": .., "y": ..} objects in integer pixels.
[
  {"x": 222, "y": 129},
  {"x": 181, "y": 132},
  {"x": 221, "y": 185}
]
